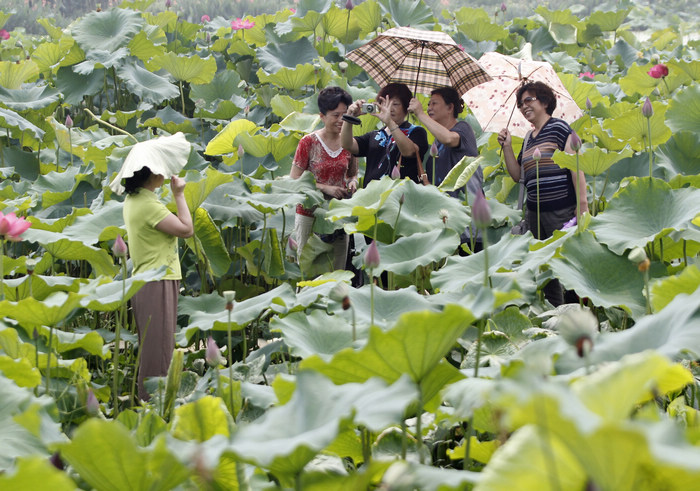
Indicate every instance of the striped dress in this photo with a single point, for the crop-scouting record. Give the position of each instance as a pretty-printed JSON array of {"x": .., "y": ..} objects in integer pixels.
[{"x": 556, "y": 184}]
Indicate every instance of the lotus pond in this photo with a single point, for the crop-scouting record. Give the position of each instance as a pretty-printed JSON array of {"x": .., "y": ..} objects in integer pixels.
[{"x": 451, "y": 374}]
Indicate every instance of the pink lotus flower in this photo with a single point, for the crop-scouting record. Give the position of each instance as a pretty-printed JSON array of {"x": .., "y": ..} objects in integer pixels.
[
  {"x": 590, "y": 75},
  {"x": 213, "y": 354},
  {"x": 575, "y": 142},
  {"x": 241, "y": 24},
  {"x": 503, "y": 7},
  {"x": 4, "y": 34},
  {"x": 434, "y": 149},
  {"x": 205, "y": 18},
  {"x": 537, "y": 155},
  {"x": 293, "y": 10},
  {"x": 69, "y": 122},
  {"x": 647, "y": 109},
  {"x": 658, "y": 71},
  {"x": 92, "y": 405},
  {"x": 292, "y": 244},
  {"x": 481, "y": 213},
  {"x": 349, "y": 5},
  {"x": 119, "y": 248},
  {"x": 11, "y": 227},
  {"x": 372, "y": 256}
]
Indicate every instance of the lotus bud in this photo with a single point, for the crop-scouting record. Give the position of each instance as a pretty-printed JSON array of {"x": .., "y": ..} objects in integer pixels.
[
  {"x": 119, "y": 248},
  {"x": 56, "y": 461},
  {"x": 205, "y": 18},
  {"x": 168, "y": 4},
  {"x": 396, "y": 172},
  {"x": 30, "y": 264},
  {"x": 372, "y": 256},
  {"x": 92, "y": 406},
  {"x": 589, "y": 104},
  {"x": 292, "y": 243},
  {"x": 503, "y": 7},
  {"x": 402, "y": 199},
  {"x": 69, "y": 122},
  {"x": 35, "y": 334},
  {"x": 537, "y": 155},
  {"x": 434, "y": 149},
  {"x": 343, "y": 65},
  {"x": 213, "y": 355},
  {"x": 444, "y": 215},
  {"x": 578, "y": 328},
  {"x": 349, "y": 5},
  {"x": 241, "y": 151},
  {"x": 481, "y": 213},
  {"x": 341, "y": 293},
  {"x": 575, "y": 142},
  {"x": 647, "y": 109}
]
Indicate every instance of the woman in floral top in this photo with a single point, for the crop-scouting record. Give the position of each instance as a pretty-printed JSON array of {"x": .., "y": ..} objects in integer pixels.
[{"x": 334, "y": 168}]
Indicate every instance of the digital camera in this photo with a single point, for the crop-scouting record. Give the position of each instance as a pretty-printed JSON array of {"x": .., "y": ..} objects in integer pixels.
[{"x": 369, "y": 108}]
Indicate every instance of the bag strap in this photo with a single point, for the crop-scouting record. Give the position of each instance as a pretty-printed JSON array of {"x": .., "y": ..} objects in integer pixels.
[
  {"x": 422, "y": 176},
  {"x": 521, "y": 191}
]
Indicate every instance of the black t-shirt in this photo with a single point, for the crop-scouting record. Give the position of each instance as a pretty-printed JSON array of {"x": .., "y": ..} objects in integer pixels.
[{"x": 382, "y": 153}]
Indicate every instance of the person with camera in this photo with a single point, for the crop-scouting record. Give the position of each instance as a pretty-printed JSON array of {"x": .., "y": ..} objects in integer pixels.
[
  {"x": 334, "y": 168},
  {"x": 399, "y": 143}
]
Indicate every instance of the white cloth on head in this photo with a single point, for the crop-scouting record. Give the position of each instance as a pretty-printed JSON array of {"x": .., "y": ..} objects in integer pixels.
[{"x": 164, "y": 155}]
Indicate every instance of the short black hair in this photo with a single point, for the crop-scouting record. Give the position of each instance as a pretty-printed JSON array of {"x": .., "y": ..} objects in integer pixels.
[
  {"x": 542, "y": 91},
  {"x": 134, "y": 183},
  {"x": 331, "y": 97},
  {"x": 400, "y": 91},
  {"x": 450, "y": 96}
]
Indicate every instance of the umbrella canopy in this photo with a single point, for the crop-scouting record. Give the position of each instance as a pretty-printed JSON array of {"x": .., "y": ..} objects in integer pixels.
[
  {"x": 494, "y": 103},
  {"x": 423, "y": 60},
  {"x": 165, "y": 156}
]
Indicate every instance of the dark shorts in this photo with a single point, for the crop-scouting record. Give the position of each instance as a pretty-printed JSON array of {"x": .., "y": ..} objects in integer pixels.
[{"x": 549, "y": 221}]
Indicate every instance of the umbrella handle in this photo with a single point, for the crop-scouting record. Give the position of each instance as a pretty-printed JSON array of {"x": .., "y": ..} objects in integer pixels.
[{"x": 420, "y": 60}]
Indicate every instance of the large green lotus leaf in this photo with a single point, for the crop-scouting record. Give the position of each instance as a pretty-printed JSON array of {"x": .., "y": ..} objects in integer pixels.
[
  {"x": 680, "y": 154},
  {"x": 684, "y": 111},
  {"x": 41, "y": 286},
  {"x": 172, "y": 121},
  {"x": 623, "y": 53},
  {"x": 638, "y": 81},
  {"x": 415, "y": 346},
  {"x": 201, "y": 420},
  {"x": 107, "y": 31},
  {"x": 673, "y": 332},
  {"x": 460, "y": 272},
  {"x": 30, "y": 312},
  {"x": 526, "y": 461},
  {"x": 289, "y": 78},
  {"x": 557, "y": 16},
  {"x": 421, "y": 212},
  {"x": 561, "y": 61},
  {"x": 49, "y": 24},
  {"x": 320, "y": 411},
  {"x": 415, "y": 14},
  {"x": 468, "y": 14},
  {"x": 64, "y": 341},
  {"x": 632, "y": 127},
  {"x": 207, "y": 311},
  {"x": 692, "y": 68},
  {"x": 20, "y": 371},
  {"x": 404, "y": 474},
  {"x": 341, "y": 24},
  {"x": 305, "y": 123},
  {"x": 419, "y": 249},
  {"x": 593, "y": 161},
  {"x": 663, "y": 291},
  {"x": 35, "y": 472},
  {"x": 122, "y": 463},
  {"x": 283, "y": 106},
  {"x": 13, "y": 75},
  {"x": 19, "y": 438},
  {"x": 580, "y": 91},
  {"x": 61, "y": 248},
  {"x": 74, "y": 86},
  {"x": 149, "y": 86},
  {"x": 221, "y": 110},
  {"x": 478, "y": 30},
  {"x": 104, "y": 223},
  {"x": 210, "y": 246},
  {"x": 461, "y": 173},
  {"x": 192, "y": 69},
  {"x": 270, "y": 196},
  {"x": 101, "y": 59},
  {"x": 122, "y": 118},
  {"x": 105, "y": 295},
  {"x": 609, "y": 21},
  {"x": 275, "y": 57},
  {"x": 223, "y": 87},
  {"x": 316, "y": 333},
  {"x": 590, "y": 269},
  {"x": 389, "y": 305},
  {"x": 10, "y": 119},
  {"x": 365, "y": 202},
  {"x": 644, "y": 210},
  {"x": 614, "y": 390},
  {"x": 225, "y": 141},
  {"x": 47, "y": 56},
  {"x": 280, "y": 145},
  {"x": 368, "y": 16},
  {"x": 144, "y": 48}
]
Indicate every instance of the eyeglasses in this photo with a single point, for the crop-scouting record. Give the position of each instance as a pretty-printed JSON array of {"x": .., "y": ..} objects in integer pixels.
[{"x": 527, "y": 100}]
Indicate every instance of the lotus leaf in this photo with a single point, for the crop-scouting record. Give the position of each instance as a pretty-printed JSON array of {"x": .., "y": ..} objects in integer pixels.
[
  {"x": 35, "y": 473},
  {"x": 107, "y": 31},
  {"x": 192, "y": 69},
  {"x": 289, "y": 78},
  {"x": 202, "y": 419},
  {"x": 144, "y": 48},
  {"x": 106, "y": 296},
  {"x": 11, "y": 119},
  {"x": 684, "y": 111},
  {"x": 632, "y": 126},
  {"x": 13, "y": 75},
  {"x": 680, "y": 154},
  {"x": 225, "y": 141},
  {"x": 149, "y": 86},
  {"x": 172, "y": 121},
  {"x": 643, "y": 211},
  {"x": 414, "y": 14},
  {"x": 341, "y": 24},
  {"x": 592, "y": 161},
  {"x": 74, "y": 86},
  {"x": 663, "y": 291},
  {"x": 609, "y": 21}
]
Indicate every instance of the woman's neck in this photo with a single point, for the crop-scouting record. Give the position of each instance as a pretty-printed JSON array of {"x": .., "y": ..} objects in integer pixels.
[{"x": 541, "y": 122}]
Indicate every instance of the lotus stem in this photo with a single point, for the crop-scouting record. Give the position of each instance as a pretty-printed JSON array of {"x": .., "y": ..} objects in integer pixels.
[
  {"x": 651, "y": 148},
  {"x": 371, "y": 295},
  {"x": 48, "y": 359},
  {"x": 354, "y": 323},
  {"x": 537, "y": 180},
  {"x": 467, "y": 461},
  {"x": 262, "y": 245},
  {"x": 419, "y": 425},
  {"x": 404, "y": 439},
  {"x": 646, "y": 289},
  {"x": 182, "y": 98},
  {"x": 105, "y": 123},
  {"x": 549, "y": 458},
  {"x": 578, "y": 199},
  {"x": 117, "y": 341},
  {"x": 347, "y": 27},
  {"x": 138, "y": 360},
  {"x": 433, "y": 181},
  {"x": 229, "y": 355},
  {"x": 70, "y": 142},
  {"x": 2, "y": 270}
]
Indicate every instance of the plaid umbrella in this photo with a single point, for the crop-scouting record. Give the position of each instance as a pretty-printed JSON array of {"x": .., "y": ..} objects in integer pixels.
[
  {"x": 493, "y": 103},
  {"x": 424, "y": 60}
]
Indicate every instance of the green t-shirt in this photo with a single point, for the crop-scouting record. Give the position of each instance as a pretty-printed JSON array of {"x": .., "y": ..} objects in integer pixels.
[{"x": 150, "y": 248}]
